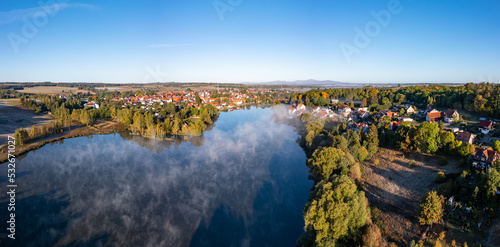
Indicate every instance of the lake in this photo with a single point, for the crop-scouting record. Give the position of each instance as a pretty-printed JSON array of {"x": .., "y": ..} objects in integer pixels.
[{"x": 244, "y": 183}]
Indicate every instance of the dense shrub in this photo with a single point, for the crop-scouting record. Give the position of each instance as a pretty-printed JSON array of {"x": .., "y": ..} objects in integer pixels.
[{"x": 440, "y": 178}]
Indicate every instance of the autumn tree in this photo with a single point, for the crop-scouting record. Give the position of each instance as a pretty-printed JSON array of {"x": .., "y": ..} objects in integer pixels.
[
  {"x": 431, "y": 209},
  {"x": 21, "y": 136},
  {"x": 405, "y": 137},
  {"x": 33, "y": 133},
  {"x": 364, "y": 103}
]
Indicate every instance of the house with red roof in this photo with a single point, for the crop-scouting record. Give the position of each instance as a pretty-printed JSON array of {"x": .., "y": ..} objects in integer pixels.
[
  {"x": 434, "y": 116},
  {"x": 484, "y": 159},
  {"x": 485, "y": 126},
  {"x": 465, "y": 137}
]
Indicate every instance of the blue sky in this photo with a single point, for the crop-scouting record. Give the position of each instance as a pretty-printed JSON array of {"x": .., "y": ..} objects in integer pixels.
[{"x": 420, "y": 41}]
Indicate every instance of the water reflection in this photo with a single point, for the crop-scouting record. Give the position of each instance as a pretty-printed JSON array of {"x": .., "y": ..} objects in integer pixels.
[{"x": 243, "y": 183}]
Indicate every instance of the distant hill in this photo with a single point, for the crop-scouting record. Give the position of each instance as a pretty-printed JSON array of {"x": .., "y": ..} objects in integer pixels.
[
  {"x": 337, "y": 84},
  {"x": 313, "y": 83}
]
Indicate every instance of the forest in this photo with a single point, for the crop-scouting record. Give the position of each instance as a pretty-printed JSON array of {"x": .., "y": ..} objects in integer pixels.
[
  {"x": 481, "y": 98},
  {"x": 172, "y": 118}
]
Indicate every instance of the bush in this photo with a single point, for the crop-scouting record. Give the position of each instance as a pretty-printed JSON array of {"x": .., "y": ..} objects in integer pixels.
[
  {"x": 362, "y": 153},
  {"x": 462, "y": 163},
  {"x": 376, "y": 162},
  {"x": 443, "y": 161},
  {"x": 355, "y": 172},
  {"x": 440, "y": 178},
  {"x": 372, "y": 236},
  {"x": 411, "y": 164},
  {"x": 447, "y": 189}
]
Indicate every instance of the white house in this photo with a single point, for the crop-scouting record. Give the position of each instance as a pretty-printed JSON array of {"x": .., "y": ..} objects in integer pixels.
[
  {"x": 450, "y": 115},
  {"x": 343, "y": 109},
  {"x": 409, "y": 109},
  {"x": 92, "y": 104}
]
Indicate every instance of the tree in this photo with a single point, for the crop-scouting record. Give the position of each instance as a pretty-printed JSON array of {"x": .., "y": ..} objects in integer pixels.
[
  {"x": 492, "y": 183},
  {"x": 496, "y": 146},
  {"x": 372, "y": 236},
  {"x": 337, "y": 211},
  {"x": 371, "y": 143},
  {"x": 479, "y": 102},
  {"x": 325, "y": 161},
  {"x": 198, "y": 99},
  {"x": 466, "y": 150},
  {"x": 176, "y": 125},
  {"x": 139, "y": 121},
  {"x": 405, "y": 137},
  {"x": 431, "y": 209},
  {"x": 362, "y": 153},
  {"x": 33, "y": 132},
  {"x": 428, "y": 137},
  {"x": 21, "y": 136},
  {"x": 86, "y": 118},
  {"x": 364, "y": 103},
  {"x": 441, "y": 125},
  {"x": 448, "y": 142}
]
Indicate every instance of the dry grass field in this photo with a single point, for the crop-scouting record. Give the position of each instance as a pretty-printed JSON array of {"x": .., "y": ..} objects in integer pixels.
[
  {"x": 51, "y": 90},
  {"x": 396, "y": 189},
  {"x": 13, "y": 116}
]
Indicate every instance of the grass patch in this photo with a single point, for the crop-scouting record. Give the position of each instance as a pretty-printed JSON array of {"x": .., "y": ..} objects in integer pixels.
[{"x": 411, "y": 164}]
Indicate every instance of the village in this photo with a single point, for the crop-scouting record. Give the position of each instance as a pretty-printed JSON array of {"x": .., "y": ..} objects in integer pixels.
[
  {"x": 222, "y": 100},
  {"x": 481, "y": 135}
]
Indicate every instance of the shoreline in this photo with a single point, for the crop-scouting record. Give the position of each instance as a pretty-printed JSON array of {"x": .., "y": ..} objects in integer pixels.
[{"x": 102, "y": 127}]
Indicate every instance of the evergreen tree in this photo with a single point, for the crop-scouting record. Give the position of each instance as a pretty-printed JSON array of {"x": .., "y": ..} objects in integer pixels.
[{"x": 431, "y": 209}]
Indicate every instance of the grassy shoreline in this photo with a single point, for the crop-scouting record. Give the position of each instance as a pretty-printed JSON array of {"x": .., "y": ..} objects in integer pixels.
[{"x": 102, "y": 127}]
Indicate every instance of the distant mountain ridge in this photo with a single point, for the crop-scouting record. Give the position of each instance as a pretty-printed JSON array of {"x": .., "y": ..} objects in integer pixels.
[
  {"x": 312, "y": 83},
  {"x": 339, "y": 84}
]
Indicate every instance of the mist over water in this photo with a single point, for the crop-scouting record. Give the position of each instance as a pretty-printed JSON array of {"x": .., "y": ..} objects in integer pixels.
[{"x": 243, "y": 183}]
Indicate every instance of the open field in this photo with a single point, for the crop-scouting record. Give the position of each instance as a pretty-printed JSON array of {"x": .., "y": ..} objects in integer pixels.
[
  {"x": 396, "y": 189},
  {"x": 13, "y": 116},
  {"x": 51, "y": 90}
]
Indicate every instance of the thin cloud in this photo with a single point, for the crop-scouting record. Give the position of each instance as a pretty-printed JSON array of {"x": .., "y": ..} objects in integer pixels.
[
  {"x": 17, "y": 15},
  {"x": 167, "y": 45}
]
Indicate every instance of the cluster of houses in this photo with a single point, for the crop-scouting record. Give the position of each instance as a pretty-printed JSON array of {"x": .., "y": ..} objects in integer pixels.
[
  {"x": 449, "y": 116},
  {"x": 234, "y": 100},
  {"x": 357, "y": 120}
]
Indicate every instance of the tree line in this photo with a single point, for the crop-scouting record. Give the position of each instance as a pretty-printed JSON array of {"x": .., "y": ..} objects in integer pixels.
[
  {"x": 337, "y": 211},
  {"x": 482, "y": 97}
]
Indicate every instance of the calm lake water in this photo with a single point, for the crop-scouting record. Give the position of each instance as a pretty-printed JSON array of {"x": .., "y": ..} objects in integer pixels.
[{"x": 244, "y": 183}]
